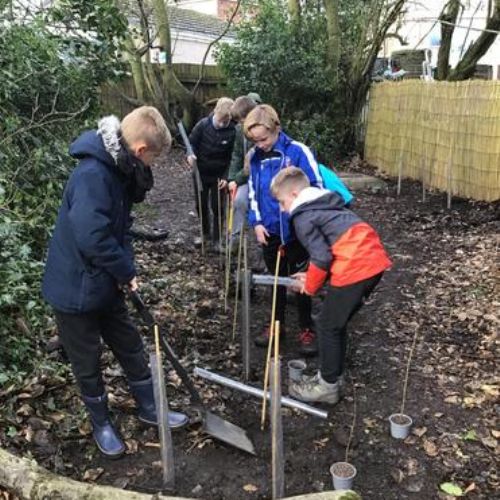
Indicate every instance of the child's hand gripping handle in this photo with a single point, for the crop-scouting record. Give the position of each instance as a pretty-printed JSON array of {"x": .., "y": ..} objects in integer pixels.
[
  {"x": 169, "y": 353},
  {"x": 136, "y": 299},
  {"x": 190, "y": 153}
]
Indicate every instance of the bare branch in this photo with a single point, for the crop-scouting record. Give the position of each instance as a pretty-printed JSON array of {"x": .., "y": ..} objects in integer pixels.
[{"x": 212, "y": 43}]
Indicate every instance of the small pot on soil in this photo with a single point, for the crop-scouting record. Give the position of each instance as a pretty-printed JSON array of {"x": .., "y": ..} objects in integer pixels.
[
  {"x": 400, "y": 425},
  {"x": 343, "y": 475},
  {"x": 295, "y": 369}
]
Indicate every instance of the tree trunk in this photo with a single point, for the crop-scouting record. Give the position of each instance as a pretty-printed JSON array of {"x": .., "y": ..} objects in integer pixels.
[
  {"x": 450, "y": 15},
  {"x": 360, "y": 76},
  {"x": 333, "y": 30},
  {"x": 174, "y": 90},
  {"x": 294, "y": 10},
  {"x": 134, "y": 60},
  {"x": 466, "y": 67},
  {"x": 29, "y": 481}
]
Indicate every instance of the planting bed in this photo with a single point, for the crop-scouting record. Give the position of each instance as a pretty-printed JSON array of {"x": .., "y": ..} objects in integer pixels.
[{"x": 442, "y": 283}]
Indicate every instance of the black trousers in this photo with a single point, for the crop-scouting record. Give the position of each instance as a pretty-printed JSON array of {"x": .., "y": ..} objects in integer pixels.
[
  {"x": 294, "y": 260},
  {"x": 209, "y": 208},
  {"x": 339, "y": 306},
  {"x": 81, "y": 335}
]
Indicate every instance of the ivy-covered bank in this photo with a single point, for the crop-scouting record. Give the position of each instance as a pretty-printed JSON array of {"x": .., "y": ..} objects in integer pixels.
[{"x": 50, "y": 68}]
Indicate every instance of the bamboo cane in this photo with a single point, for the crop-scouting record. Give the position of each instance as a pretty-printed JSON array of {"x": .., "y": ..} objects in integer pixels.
[
  {"x": 271, "y": 335},
  {"x": 226, "y": 270},
  {"x": 166, "y": 445},
  {"x": 238, "y": 271},
  {"x": 245, "y": 316},
  {"x": 219, "y": 220},
  {"x": 278, "y": 473}
]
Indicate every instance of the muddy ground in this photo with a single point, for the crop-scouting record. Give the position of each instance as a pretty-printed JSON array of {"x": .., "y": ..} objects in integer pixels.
[{"x": 442, "y": 286}]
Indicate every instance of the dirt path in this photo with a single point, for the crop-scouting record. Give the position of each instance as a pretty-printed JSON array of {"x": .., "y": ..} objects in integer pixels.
[{"x": 442, "y": 285}]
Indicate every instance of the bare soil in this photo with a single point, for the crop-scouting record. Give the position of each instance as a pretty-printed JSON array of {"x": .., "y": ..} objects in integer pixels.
[{"x": 442, "y": 284}]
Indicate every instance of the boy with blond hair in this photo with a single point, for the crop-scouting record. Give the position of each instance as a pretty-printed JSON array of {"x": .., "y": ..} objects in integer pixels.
[
  {"x": 90, "y": 261},
  {"x": 212, "y": 139},
  {"x": 237, "y": 176},
  {"x": 274, "y": 151},
  {"x": 344, "y": 250}
]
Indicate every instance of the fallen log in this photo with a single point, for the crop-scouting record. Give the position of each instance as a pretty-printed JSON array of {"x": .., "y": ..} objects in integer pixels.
[{"x": 26, "y": 479}]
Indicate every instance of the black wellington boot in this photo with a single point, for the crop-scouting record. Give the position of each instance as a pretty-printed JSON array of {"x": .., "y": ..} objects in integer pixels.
[
  {"x": 105, "y": 435},
  {"x": 142, "y": 391}
]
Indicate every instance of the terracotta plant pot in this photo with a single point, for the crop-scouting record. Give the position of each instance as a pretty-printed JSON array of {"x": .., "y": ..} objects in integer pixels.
[
  {"x": 343, "y": 475},
  {"x": 400, "y": 425}
]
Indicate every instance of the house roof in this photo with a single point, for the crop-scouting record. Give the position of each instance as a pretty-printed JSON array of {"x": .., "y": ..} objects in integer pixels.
[{"x": 190, "y": 20}]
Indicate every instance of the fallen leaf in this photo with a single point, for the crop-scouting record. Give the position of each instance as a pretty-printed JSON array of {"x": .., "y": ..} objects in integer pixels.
[
  {"x": 430, "y": 448},
  {"x": 412, "y": 467},
  {"x": 471, "y": 487},
  {"x": 321, "y": 443},
  {"x": 132, "y": 446},
  {"x": 419, "y": 431},
  {"x": 92, "y": 474},
  {"x": 490, "y": 442},
  {"x": 451, "y": 489},
  {"x": 397, "y": 475},
  {"x": 251, "y": 488},
  {"x": 491, "y": 390},
  {"x": 452, "y": 400},
  {"x": 470, "y": 435}
]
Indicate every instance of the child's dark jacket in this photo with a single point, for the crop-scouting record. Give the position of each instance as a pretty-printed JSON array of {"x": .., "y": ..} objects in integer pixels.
[
  {"x": 90, "y": 253},
  {"x": 339, "y": 243},
  {"x": 212, "y": 147}
]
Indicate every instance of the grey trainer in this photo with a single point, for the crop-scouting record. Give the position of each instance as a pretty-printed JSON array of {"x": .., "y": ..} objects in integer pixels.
[
  {"x": 316, "y": 390},
  {"x": 315, "y": 378}
]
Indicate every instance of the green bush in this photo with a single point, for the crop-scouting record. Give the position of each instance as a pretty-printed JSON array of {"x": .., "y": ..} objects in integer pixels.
[
  {"x": 286, "y": 64},
  {"x": 47, "y": 95}
]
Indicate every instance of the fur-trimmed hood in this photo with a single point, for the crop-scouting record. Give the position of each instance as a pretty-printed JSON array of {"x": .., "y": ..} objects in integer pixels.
[
  {"x": 316, "y": 198},
  {"x": 103, "y": 143}
]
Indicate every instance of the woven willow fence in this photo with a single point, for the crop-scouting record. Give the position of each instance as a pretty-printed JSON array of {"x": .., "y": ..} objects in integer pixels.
[{"x": 445, "y": 134}]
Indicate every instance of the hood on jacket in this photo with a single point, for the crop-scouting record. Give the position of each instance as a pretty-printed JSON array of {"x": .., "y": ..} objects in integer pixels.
[
  {"x": 313, "y": 198},
  {"x": 103, "y": 143}
]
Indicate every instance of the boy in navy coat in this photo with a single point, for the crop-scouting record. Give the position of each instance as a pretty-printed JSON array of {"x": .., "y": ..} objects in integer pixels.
[{"x": 90, "y": 261}]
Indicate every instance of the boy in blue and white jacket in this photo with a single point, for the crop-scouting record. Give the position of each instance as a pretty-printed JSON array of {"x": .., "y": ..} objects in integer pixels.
[{"x": 274, "y": 151}]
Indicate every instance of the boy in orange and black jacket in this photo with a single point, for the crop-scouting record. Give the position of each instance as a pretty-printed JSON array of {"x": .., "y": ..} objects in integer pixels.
[{"x": 343, "y": 249}]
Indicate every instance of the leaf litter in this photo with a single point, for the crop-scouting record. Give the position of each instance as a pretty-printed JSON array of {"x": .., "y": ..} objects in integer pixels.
[{"x": 443, "y": 282}]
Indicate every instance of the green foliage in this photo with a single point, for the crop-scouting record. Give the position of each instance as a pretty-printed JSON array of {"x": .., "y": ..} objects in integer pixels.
[
  {"x": 282, "y": 61},
  {"x": 451, "y": 489},
  {"x": 47, "y": 94},
  {"x": 286, "y": 64}
]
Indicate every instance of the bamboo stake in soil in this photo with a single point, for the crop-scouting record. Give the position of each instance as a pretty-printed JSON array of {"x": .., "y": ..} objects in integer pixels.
[
  {"x": 238, "y": 271},
  {"x": 423, "y": 178},
  {"x": 400, "y": 172},
  {"x": 199, "y": 189},
  {"x": 229, "y": 230},
  {"x": 448, "y": 176},
  {"x": 271, "y": 335},
  {"x": 353, "y": 424},
  {"x": 219, "y": 220},
  {"x": 278, "y": 469},
  {"x": 166, "y": 444},
  {"x": 410, "y": 356},
  {"x": 245, "y": 316}
]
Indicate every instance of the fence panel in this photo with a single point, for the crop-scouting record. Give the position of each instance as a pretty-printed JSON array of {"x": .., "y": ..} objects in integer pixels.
[
  {"x": 445, "y": 134},
  {"x": 213, "y": 85}
]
